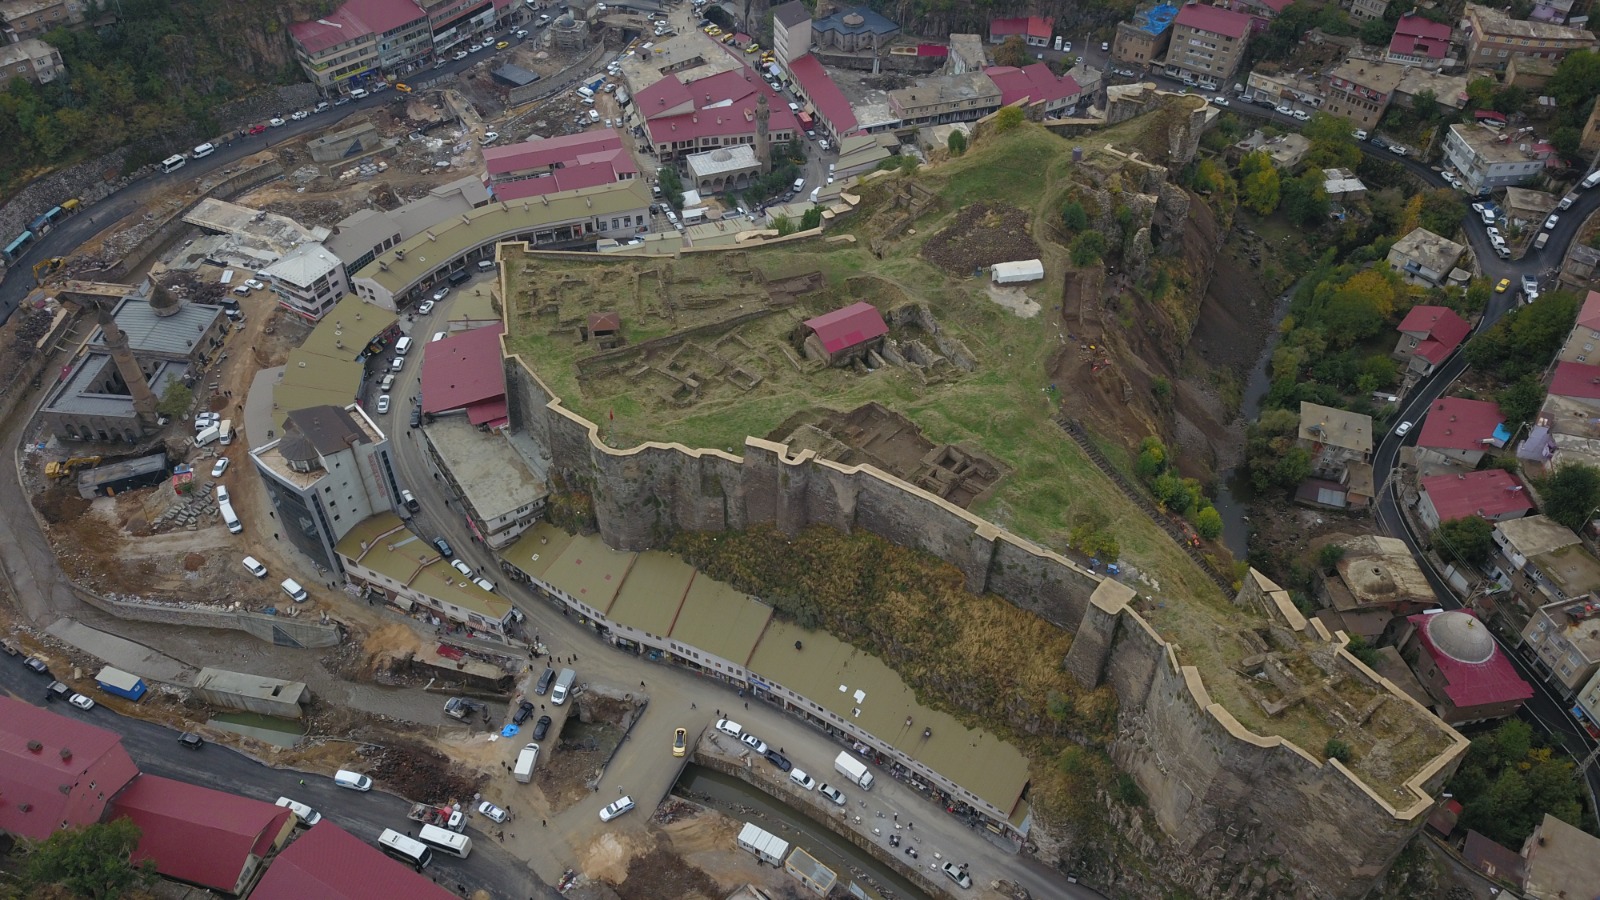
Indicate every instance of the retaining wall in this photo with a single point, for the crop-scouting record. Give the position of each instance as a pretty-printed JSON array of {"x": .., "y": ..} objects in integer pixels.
[{"x": 284, "y": 632}]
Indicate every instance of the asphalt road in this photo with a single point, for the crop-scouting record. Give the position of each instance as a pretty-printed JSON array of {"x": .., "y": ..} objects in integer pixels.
[{"x": 155, "y": 749}]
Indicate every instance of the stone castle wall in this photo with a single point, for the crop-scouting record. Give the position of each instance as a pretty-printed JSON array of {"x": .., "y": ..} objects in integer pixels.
[{"x": 1223, "y": 798}]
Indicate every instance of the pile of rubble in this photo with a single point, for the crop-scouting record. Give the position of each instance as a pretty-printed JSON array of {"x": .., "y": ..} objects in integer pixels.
[{"x": 197, "y": 508}]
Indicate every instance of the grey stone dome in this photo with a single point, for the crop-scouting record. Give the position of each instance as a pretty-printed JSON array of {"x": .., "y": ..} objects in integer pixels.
[{"x": 1460, "y": 636}]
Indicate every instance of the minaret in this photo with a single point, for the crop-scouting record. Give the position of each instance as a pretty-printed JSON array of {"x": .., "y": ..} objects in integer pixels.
[
  {"x": 144, "y": 400},
  {"x": 763, "y": 148}
]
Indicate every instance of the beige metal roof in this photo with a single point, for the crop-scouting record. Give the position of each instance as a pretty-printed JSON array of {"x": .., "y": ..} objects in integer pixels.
[
  {"x": 829, "y": 672},
  {"x": 590, "y": 572},
  {"x": 653, "y": 594},
  {"x": 537, "y": 549},
  {"x": 400, "y": 555},
  {"x": 720, "y": 620}
]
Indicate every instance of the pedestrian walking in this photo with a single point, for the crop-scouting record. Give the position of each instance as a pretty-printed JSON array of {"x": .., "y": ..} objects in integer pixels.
[
  {"x": 747, "y": 704},
  {"x": 692, "y": 706},
  {"x": 641, "y": 684},
  {"x": 543, "y": 823}
]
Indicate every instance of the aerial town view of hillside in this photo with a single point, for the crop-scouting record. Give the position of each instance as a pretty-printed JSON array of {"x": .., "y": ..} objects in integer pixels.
[{"x": 742, "y": 450}]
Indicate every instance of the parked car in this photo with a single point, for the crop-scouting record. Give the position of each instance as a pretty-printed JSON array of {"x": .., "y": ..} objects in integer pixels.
[
  {"x": 221, "y": 467},
  {"x": 958, "y": 874},
  {"x": 257, "y": 128},
  {"x": 1551, "y": 222},
  {"x": 254, "y": 567},
  {"x": 1359, "y": 134},
  {"x": 541, "y": 728},
  {"x": 490, "y": 138},
  {"x": 425, "y": 307},
  {"x": 191, "y": 741},
  {"x": 299, "y": 114},
  {"x": 754, "y": 743},
  {"x": 1285, "y": 108},
  {"x": 615, "y": 809},
  {"x": 443, "y": 547},
  {"x": 37, "y": 665},
  {"x": 275, "y": 122},
  {"x": 81, "y": 702},
  {"x": 383, "y": 403},
  {"x": 410, "y": 500},
  {"x": 459, "y": 55},
  {"x": 307, "y": 816},
  {"x": 461, "y": 567},
  {"x": 524, "y": 710},
  {"x": 779, "y": 760},
  {"x": 416, "y": 416},
  {"x": 730, "y": 727},
  {"x": 1302, "y": 115},
  {"x": 832, "y": 793},
  {"x": 441, "y": 293},
  {"x": 255, "y": 285},
  {"x": 492, "y": 813}
]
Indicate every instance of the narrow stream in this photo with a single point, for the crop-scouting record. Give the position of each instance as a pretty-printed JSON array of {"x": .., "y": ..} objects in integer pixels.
[
  {"x": 831, "y": 850},
  {"x": 1234, "y": 493}
]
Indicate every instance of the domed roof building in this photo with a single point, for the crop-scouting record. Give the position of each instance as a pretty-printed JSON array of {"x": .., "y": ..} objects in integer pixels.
[{"x": 1462, "y": 667}]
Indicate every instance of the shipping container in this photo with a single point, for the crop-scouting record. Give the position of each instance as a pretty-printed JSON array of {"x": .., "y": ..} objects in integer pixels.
[{"x": 121, "y": 684}]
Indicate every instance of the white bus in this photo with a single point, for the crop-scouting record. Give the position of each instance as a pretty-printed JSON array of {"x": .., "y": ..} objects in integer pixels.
[
  {"x": 407, "y": 850},
  {"x": 173, "y": 163},
  {"x": 445, "y": 840}
]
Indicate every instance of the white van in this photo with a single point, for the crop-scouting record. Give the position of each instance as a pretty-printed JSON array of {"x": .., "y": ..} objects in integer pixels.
[
  {"x": 799, "y": 777},
  {"x": 1592, "y": 180},
  {"x": 204, "y": 150},
  {"x": 307, "y": 816},
  {"x": 354, "y": 781},
  {"x": 225, "y": 431},
  {"x": 175, "y": 162},
  {"x": 296, "y": 593},
  {"x": 229, "y": 518},
  {"x": 207, "y": 435},
  {"x": 358, "y": 93},
  {"x": 563, "y": 686},
  {"x": 799, "y": 185},
  {"x": 526, "y": 760},
  {"x": 402, "y": 346}
]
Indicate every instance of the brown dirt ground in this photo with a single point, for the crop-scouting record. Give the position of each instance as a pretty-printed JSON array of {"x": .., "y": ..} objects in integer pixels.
[{"x": 981, "y": 235}]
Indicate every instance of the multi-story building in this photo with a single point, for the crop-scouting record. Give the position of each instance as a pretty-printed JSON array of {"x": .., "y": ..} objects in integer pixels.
[
  {"x": 1587, "y": 710},
  {"x": 360, "y": 39},
  {"x": 31, "y": 60},
  {"x": 1034, "y": 31},
  {"x": 1363, "y": 10},
  {"x": 1207, "y": 43},
  {"x": 1360, "y": 91},
  {"x": 1584, "y": 339},
  {"x": 853, "y": 30},
  {"x": 1458, "y": 430},
  {"x": 1458, "y": 663},
  {"x": 1563, "y": 641},
  {"x": 385, "y": 560},
  {"x": 562, "y": 163},
  {"x": 680, "y": 118},
  {"x": 1040, "y": 92},
  {"x": 1419, "y": 42},
  {"x": 1425, "y": 258},
  {"x": 308, "y": 280},
  {"x": 1492, "y": 494},
  {"x": 1428, "y": 335},
  {"x": 25, "y": 19},
  {"x": 1335, "y": 438},
  {"x": 1520, "y": 545},
  {"x": 1494, "y": 38},
  {"x": 458, "y": 21},
  {"x": 791, "y": 32},
  {"x": 329, "y": 471},
  {"x": 947, "y": 98},
  {"x": 1144, "y": 40},
  {"x": 1485, "y": 161}
]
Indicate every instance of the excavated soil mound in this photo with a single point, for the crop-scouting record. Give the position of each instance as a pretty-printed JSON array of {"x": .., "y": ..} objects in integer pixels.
[{"x": 981, "y": 235}]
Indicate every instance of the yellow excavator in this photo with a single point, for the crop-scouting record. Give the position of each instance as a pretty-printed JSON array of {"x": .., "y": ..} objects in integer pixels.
[
  {"x": 63, "y": 468},
  {"x": 45, "y": 267}
]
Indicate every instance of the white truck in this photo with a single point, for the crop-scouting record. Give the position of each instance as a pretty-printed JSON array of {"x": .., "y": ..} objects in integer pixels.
[
  {"x": 526, "y": 760},
  {"x": 853, "y": 769}
]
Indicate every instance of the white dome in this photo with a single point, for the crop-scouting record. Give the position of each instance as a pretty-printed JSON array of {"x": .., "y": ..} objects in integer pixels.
[{"x": 1460, "y": 636}]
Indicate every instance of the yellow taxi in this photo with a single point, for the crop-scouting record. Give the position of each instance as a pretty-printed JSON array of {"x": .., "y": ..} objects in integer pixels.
[
  {"x": 402, "y": 87},
  {"x": 1501, "y": 287},
  {"x": 502, "y": 45}
]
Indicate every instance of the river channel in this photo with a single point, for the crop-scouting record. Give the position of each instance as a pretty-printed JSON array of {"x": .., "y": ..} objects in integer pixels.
[{"x": 1234, "y": 493}]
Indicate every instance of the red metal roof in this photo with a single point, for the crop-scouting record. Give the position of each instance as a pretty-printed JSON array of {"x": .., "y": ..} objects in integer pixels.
[
  {"x": 1035, "y": 83},
  {"x": 329, "y": 863},
  {"x": 1417, "y": 36},
  {"x": 40, "y": 790},
  {"x": 1454, "y": 423},
  {"x": 1589, "y": 313},
  {"x": 932, "y": 50},
  {"x": 720, "y": 105},
  {"x": 1467, "y": 685},
  {"x": 1441, "y": 329},
  {"x": 1576, "y": 380},
  {"x": 1214, "y": 19},
  {"x": 825, "y": 95},
  {"x": 855, "y": 324},
  {"x": 1032, "y": 26},
  {"x": 1497, "y": 862},
  {"x": 353, "y": 20},
  {"x": 197, "y": 834},
  {"x": 1491, "y": 493},
  {"x": 463, "y": 370},
  {"x": 566, "y": 149},
  {"x": 570, "y": 178}
]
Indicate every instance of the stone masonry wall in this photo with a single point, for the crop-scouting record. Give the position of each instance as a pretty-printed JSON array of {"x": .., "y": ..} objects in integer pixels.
[{"x": 1234, "y": 809}]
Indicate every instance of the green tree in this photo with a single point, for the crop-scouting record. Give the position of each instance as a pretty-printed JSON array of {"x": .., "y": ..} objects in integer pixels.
[
  {"x": 1260, "y": 191},
  {"x": 1007, "y": 118},
  {"x": 1152, "y": 458},
  {"x": 1208, "y": 523},
  {"x": 92, "y": 861},
  {"x": 1525, "y": 338},
  {"x": 1328, "y": 557},
  {"x": 1087, "y": 248},
  {"x": 1480, "y": 93},
  {"x": 1376, "y": 32},
  {"x": 1333, "y": 142},
  {"x": 1577, "y": 80},
  {"x": 1467, "y": 540},
  {"x": 1011, "y": 52},
  {"x": 783, "y": 225},
  {"x": 671, "y": 186},
  {"x": 1442, "y": 211},
  {"x": 1520, "y": 401},
  {"x": 176, "y": 399},
  {"x": 1571, "y": 494},
  {"x": 1074, "y": 216},
  {"x": 1305, "y": 200},
  {"x": 811, "y": 219}
]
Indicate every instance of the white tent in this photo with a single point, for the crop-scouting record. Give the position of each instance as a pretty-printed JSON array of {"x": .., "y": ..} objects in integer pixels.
[{"x": 1017, "y": 272}]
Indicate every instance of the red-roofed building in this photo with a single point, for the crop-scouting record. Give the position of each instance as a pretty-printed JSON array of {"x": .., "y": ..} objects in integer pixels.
[
  {"x": 531, "y": 159},
  {"x": 1207, "y": 43},
  {"x": 1419, "y": 42},
  {"x": 1584, "y": 339},
  {"x": 566, "y": 179},
  {"x": 1462, "y": 668},
  {"x": 463, "y": 372},
  {"x": 1041, "y": 92},
  {"x": 67, "y": 782},
  {"x": 1035, "y": 31},
  {"x": 716, "y": 111},
  {"x": 1461, "y": 431},
  {"x": 1428, "y": 335},
  {"x": 1492, "y": 494},
  {"x": 360, "y": 39},
  {"x": 833, "y": 111},
  {"x": 1576, "y": 381},
  {"x": 1495, "y": 861},
  {"x": 1263, "y": 11},
  {"x": 844, "y": 335},
  {"x": 202, "y": 836},
  {"x": 329, "y": 863}
]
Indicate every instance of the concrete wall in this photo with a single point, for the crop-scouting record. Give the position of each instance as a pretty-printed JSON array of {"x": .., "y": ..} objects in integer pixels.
[
  {"x": 1222, "y": 796},
  {"x": 284, "y": 632}
]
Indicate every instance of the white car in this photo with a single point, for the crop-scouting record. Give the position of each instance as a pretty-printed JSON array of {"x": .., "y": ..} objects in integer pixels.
[
  {"x": 438, "y": 336},
  {"x": 441, "y": 293},
  {"x": 484, "y": 583},
  {"x": 802, "y": 780},
  {"x": 398, "y": 364},
  {"x": 1302, "y": 115},
  {"x": 222, "y": 493},
  {"x": 729, "y": 727},
  {"x": 491, "y": 812},
  {"x": 1493, "y": 233},
  {"x": 461, "y": 567},
  {"x": 81, "y": 702},
  {"x": 206, "y": 420},
  {"x": 832, "y": 793},
  {"x": 1219, "y": 100},
  {"x": 255, "y": 285},
  {"x": 490, "y": 137},
  {"x": 299, "y": 114},
  {"x": 474, "y": 48},
  {"x": 383, "y": 404},
  {"x": 275, "y": 122},
  {"x": 754, "y": 743},
  {"x": 1285, "y": 109},
  {"x": 425, "y": 308},
  {"x": 1402, "y": 429},
  {"x": 459, "y": 55},
  {"x": 613, "y": 810},
  {"x": 254, "y": 567},
  {"x": 957, "y": 874},
  {"x": 1359, "y": 134},
  {"x": 306, "y": 814},
  {"x": 1551, "y": 222},
  {"x": 221, "y": 467}
]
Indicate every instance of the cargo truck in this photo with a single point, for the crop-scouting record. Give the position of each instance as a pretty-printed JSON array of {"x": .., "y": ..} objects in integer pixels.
[{"x": 853, "y": 769}]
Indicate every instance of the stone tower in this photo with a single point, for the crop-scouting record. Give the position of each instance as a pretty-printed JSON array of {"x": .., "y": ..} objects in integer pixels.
[
  {"x": 763, "y": 142},
  {"x": 144, "y": 400}
]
